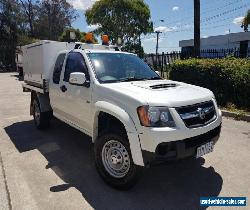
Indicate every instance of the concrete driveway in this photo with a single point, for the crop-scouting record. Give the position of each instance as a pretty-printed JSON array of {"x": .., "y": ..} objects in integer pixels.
[{"x": 55, "y": 169}]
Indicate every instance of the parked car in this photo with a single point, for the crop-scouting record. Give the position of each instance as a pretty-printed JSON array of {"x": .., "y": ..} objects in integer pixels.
[{"x": 133, "y": 116}]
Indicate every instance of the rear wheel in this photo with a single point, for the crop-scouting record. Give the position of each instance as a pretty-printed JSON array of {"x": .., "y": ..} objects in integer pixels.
[
  {"x": 114, "y": 161},
  {"x": 41, "y": 119}
]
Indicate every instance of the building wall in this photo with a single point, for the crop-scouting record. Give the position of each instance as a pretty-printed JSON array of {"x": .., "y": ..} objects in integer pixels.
[
  {"x": 220, "y": 42},
  {"x": 221, "y": 45}
]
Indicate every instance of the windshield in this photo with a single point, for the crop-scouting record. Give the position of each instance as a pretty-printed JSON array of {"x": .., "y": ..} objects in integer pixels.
[{"x": 120, "y": 67}]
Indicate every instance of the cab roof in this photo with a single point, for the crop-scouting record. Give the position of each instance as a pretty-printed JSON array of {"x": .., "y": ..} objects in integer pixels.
[{"x": 105, "y": 51}]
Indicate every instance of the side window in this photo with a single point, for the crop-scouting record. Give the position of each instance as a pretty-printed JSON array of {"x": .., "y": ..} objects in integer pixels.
[
  {"x": 58, "y": 68},
  {"x": 75, "y": 63}
]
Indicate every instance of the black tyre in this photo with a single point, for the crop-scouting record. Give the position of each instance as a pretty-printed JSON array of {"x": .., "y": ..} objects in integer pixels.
[
  {"x": 41, "y": 119},
  {"x": 114, "y": 161}
]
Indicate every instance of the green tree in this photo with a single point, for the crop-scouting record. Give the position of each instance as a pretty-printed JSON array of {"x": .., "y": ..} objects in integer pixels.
[
  {"x": 30, "y": 10},
  {"x": 53, "y": 17},
  {"x": 9, "y": 10},
  {"x": 23, "y": 39},
  {"x": 26, "y": 21},
  {"x": 65, "y": 37},
  {"x": 47, "y": 19},
  {"x": 134, "y": 47},
  {"x": 79, "y": 36},
  {"x": 246, "y": 21},
  {"x": 125, "y": 19}
]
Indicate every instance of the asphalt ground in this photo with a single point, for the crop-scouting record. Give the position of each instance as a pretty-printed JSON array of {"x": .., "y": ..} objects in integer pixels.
[{"x": 55, "y": 169}]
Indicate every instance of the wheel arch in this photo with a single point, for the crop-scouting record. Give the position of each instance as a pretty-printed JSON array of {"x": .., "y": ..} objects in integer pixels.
[
  {"x": 129, "y": 125},
  {"x": 43, "y": 100}
]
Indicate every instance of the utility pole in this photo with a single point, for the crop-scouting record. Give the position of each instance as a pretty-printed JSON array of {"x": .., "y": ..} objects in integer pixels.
[
  {"x": 157, "y": 44},
  {"x": 197, "y": 32}
]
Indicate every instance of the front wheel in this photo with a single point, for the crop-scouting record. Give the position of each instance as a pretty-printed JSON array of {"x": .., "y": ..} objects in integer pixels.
[{"x": 114, "y": 161}]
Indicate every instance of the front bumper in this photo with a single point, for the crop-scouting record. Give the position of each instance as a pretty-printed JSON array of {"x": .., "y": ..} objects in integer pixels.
[
  {"x": 151, "y": 137},
  {"x": 180, "y": 149}
]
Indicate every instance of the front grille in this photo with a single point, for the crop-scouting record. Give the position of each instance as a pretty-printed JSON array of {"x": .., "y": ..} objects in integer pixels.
[{"x": 197, "y": 115}]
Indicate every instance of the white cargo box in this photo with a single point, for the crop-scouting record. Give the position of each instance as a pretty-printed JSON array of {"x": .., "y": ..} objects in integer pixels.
[{"x": 39, "y": 60}]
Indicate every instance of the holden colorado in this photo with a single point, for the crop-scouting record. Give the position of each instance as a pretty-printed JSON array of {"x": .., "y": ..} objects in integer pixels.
[{"x": 133, "y": 116}]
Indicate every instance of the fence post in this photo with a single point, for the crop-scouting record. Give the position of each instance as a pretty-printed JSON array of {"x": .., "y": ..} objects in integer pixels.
[
  {"x": 162, "y": 64},
  {"x": 153, "y": 60}
]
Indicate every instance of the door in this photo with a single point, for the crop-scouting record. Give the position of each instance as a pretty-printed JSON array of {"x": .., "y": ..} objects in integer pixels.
[
  {"x": 55, "y": 93},
  {"x": 76, "y": 99}
]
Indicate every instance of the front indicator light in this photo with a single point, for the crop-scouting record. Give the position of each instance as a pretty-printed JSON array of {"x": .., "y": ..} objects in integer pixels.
[{"x": 143, "y": 115}]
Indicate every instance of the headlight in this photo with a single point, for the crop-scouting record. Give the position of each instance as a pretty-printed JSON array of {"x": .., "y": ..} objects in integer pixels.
[{"x": 151, "y": 116}]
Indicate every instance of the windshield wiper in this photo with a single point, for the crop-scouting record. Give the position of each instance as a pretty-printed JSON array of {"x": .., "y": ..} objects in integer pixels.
[
  {"x": 110, "y": 81},
  {"x": 131, "y": 79},
  {"x": 154, "y": 78}
]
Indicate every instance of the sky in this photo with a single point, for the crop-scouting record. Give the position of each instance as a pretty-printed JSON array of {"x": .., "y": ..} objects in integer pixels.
[{"x": 174, "y": 18}]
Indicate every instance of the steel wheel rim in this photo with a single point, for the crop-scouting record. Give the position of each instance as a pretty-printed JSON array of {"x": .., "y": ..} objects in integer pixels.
[
  {"x": 37, "y": 113},
  {"x": 115, "y": 158}
]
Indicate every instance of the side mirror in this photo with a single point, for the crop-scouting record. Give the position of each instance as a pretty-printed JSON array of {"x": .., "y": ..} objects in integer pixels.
[{"x": 77, "y": 78}]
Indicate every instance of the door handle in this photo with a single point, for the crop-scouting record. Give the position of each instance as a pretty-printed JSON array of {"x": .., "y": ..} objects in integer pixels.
[{"x": 63, "y": 88}]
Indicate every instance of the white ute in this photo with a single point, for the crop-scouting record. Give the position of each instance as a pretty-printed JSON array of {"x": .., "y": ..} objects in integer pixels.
[{"x": 133, "y": 116}]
